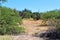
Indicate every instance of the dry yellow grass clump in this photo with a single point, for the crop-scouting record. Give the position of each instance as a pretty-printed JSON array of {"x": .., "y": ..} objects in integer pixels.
[{"x": 6, "y": 37}]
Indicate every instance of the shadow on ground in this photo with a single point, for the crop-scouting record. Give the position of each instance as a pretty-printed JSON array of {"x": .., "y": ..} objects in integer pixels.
[{"x": 50, "y": 35}]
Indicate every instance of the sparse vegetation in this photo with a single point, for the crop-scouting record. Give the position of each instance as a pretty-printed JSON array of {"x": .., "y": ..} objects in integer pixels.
[
  {"x": 6, "y": 37},
  {"x": 11, "y": 19}
]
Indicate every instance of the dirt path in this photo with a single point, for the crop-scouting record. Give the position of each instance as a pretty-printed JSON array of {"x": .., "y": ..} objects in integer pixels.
[
  {"x": 26, "y": 37},
  {"x": 32, "y": 27}
]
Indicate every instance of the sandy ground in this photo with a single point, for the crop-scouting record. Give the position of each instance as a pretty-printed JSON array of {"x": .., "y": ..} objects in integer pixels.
[
  {"x": 26, "y": 37},
  {"x": 32, "y": 27}
]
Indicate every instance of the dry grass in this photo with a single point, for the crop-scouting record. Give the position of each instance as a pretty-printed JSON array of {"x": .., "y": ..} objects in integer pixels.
[{"x": 6, "y": 37}]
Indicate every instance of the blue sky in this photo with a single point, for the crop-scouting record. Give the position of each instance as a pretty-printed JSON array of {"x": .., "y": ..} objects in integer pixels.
[{"x": 33, "y": 5}]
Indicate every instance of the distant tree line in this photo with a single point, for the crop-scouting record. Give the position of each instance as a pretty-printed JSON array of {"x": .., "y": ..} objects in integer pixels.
[
  {"x": 37, "y": 15},
  {"x": 29, "y": 14}
]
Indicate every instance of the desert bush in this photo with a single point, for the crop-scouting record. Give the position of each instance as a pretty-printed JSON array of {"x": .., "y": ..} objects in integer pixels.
[
  {"x": 25, "y": 13},
  {"x": 52, "y": 33},
  {"x": 8, "y": 21},
  {"x": 57, "y": 24},
  {"x": 36, "y": 15}
]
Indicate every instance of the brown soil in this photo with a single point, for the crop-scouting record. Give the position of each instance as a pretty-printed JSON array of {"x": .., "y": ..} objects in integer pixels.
[{"x": 32, "y": 27}]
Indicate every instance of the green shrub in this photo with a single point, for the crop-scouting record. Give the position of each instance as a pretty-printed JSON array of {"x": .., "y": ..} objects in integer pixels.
[
  {"x": 36, "y": 15},
  {"x": 15, "y": 30},
  {"x": 8, "y": 21}
]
